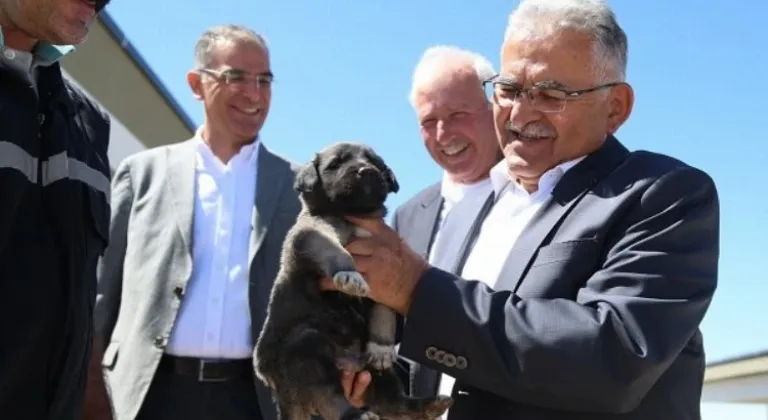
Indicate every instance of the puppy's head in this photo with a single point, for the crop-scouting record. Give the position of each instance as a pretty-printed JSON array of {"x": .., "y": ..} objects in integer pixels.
[{"x": 346, "y": 179}]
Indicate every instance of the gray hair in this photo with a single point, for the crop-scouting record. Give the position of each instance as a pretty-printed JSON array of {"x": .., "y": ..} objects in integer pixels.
[
  {"x": 534, "y": 18},
  {"x": 441, "y": 59},
  {"x": 210, "y": 38}
]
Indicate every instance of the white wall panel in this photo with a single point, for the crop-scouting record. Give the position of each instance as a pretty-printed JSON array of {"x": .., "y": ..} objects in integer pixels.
[{"x": 122, "y": 142}]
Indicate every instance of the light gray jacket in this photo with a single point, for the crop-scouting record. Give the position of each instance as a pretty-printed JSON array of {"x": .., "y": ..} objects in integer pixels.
[{"x": 148, "y": 264}]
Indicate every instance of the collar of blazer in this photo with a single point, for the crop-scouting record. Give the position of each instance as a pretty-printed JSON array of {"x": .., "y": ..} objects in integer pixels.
[
  {"x": 574, "y": 185},
  {"x": 272, "y": 175}
]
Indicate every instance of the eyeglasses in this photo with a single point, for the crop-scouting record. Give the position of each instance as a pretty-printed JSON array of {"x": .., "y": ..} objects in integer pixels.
[
  {"x": 548, "y": 97},
  {"x": 235, "y": 77}
]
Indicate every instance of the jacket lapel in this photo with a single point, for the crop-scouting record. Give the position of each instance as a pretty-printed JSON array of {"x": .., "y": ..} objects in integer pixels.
[
  {"x": 426, "y": 222},
  {"x": 574, "y": 185},
  {"x": 181, "y": 188},
  {"x": 269, "y": 183}
]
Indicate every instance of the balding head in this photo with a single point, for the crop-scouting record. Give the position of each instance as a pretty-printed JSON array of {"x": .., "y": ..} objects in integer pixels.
[{"x": 443, "y": 63}]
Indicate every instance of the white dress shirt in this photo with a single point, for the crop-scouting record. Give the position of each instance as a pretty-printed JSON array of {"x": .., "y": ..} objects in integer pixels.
[
  {"x": 513, "y": 210},
  {"x": 214, "y": 320},
  {"x": 453, "y": 193}
]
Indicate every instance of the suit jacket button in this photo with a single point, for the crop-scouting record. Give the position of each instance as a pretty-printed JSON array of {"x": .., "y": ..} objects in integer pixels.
[
  {"x": 461, "y": 362},
  {"x": 160, "y": 342},
  {"x": 439, "y": 356},
  {"x": 430, "y": 353},
  {"x": 449, "y": 360}
]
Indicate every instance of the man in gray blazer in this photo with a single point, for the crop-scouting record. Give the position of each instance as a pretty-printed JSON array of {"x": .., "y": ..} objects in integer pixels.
[
  {"x": 456, "y": 123},
  {"x": 587, "y": 282},
  {"x": 196, "y": 233}
]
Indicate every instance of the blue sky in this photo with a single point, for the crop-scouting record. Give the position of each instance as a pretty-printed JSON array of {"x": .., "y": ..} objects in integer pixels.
[{"x": 343, "y": 73}]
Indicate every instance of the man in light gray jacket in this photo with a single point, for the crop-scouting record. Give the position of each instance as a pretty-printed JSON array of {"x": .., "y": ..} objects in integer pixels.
[{"x": 196, "y": 233}]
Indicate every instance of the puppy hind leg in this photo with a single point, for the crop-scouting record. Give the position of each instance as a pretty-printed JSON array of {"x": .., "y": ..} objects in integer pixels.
[
  {"x": 337, "y": 407},
  {"x": 309, "y": 376},
  {"x": 387, "y": 397},
  {"x": 380, "y": 349},
  {"x": 289, "y": 411}
]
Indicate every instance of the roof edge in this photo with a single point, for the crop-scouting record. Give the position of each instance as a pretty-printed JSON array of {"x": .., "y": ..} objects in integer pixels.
[
  {"x": 119, "y": 36},
  {"x": 739, "y": 358}
]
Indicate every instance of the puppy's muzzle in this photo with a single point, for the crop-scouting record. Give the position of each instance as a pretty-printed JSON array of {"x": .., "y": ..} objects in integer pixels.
[{"x": 367, "y": 173}]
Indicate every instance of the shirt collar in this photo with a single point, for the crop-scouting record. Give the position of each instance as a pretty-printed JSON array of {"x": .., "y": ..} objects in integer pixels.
[
  {"x": 45, "y": 53},
  {"x": 249, "y": 153},
  {"x": 500, "y": 177},
  {"x": 453, "y": 192}
]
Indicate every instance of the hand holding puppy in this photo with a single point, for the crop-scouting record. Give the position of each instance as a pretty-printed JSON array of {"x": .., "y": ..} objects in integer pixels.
[{"x": 390, "y": 267}]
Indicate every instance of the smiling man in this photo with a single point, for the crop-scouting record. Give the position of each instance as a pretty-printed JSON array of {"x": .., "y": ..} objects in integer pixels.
[
  {"x": 54, "y": 184},
  {"x": 456, "y": 124},
  {"x": 581, "y": 294},
  {"x": 197, "y": 229}
]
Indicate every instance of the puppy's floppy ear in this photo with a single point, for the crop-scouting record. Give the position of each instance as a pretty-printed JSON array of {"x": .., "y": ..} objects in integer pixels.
[
  {"x": 389, "y": 176},
  {"x": 308, "y": 178},
  {"x": 386, "y": 171}
]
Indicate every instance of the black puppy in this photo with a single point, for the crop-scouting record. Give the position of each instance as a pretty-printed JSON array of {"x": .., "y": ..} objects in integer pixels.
[{"x": 309, "y": 334}]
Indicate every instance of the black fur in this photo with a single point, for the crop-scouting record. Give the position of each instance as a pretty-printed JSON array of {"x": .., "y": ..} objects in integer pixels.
[{"x": 309, "y": 335}]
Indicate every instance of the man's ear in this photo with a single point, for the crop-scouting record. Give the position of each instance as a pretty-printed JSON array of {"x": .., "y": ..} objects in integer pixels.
[
  {"x": 307, "y": 179},
  {"x": 195, "y": 82}
]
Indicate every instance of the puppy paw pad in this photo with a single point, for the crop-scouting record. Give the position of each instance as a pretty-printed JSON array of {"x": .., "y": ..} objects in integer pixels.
[
  {"x": 351, "y": 283},
  {"x": 368, "y": 415},
  {"x": 380, "y": 356},
  {"x": 362, "y": 233}
]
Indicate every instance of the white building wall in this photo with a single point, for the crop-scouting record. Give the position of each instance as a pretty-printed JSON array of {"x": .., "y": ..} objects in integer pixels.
[
  {"x": 751, "y": 388},
  {"x": 122, "y": 142},
  {"x": 733, "y": 411}
]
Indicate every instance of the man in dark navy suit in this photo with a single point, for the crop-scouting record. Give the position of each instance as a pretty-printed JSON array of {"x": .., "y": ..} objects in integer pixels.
[{"x": 581, "y": 293}]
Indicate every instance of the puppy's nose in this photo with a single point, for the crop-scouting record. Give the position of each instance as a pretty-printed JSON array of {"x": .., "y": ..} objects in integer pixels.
[{"x": 366, "y": 171}]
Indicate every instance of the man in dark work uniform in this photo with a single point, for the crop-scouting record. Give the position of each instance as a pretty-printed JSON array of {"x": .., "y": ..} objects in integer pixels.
[{"x": 54, "y": 212}]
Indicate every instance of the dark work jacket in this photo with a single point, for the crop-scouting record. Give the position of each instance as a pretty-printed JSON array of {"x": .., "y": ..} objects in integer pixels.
[{"x": 54, "y": 217}]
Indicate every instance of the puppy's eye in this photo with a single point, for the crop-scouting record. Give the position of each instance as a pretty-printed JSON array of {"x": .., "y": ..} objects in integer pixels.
[{"x": 333, "y": 164}]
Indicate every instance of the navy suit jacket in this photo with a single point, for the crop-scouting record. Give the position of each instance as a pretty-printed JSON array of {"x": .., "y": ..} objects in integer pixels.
[{"x": 597, "y": 309}]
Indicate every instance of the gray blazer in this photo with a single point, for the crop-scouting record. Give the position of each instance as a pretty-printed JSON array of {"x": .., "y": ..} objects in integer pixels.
[
  {"x": 597, "y": 308},
  {"x": 145, "y": 270}
]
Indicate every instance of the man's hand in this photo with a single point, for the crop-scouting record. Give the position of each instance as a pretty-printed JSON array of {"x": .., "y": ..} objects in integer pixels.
[
  {"x": 355, "y": 385},
  {"x": 389, "y": 266},
  {"x": 96, "y": 405}
]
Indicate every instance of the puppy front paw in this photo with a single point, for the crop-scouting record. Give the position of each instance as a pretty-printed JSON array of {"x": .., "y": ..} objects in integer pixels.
[
  {"x": 351, "y": 283},
  {"x": 361, "y": 233},
  {"x": 359, "y": 414},
  {"x": 369, "y": 415},
  {"x": 380, "y": 356}
]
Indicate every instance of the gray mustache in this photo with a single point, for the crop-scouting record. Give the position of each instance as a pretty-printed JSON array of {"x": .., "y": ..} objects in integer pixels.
[{"x": 531, "y": 130}]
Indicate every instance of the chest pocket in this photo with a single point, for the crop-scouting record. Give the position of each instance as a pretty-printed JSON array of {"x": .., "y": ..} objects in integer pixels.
[
  {"x": 560, "y": 269},
  {"x": 97, "y": 215}
]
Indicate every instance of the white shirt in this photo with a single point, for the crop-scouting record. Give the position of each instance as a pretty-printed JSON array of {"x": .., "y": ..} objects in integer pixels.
[
  {"x": 452, "y": 194},
  {"x": 214, "y": 319},
  {"x": 513, "y": 210}
]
